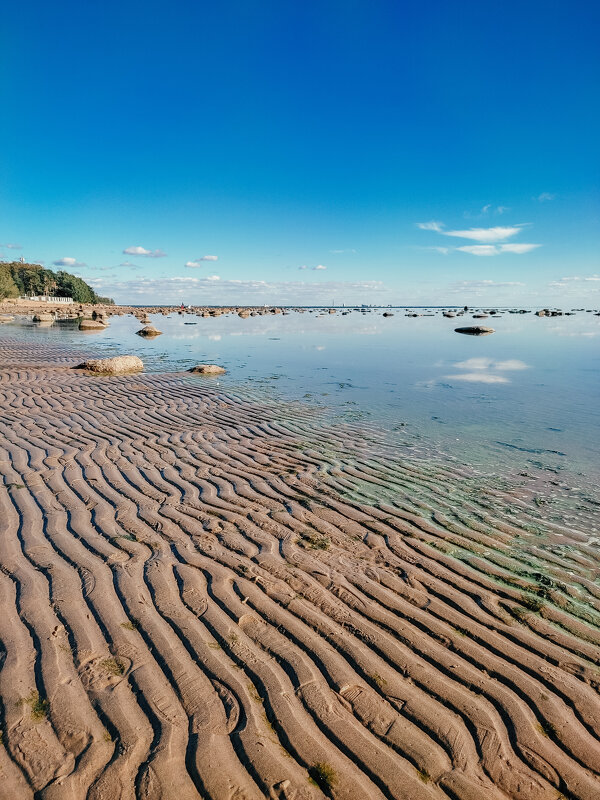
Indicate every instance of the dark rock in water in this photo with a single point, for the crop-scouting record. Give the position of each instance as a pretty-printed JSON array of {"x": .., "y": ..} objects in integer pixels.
[
  {"x": 475, "y": 330},
  {"x": 387, "y": 314}
]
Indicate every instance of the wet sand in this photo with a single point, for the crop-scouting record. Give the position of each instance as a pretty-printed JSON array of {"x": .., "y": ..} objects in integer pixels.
[{"x": 203, "y": 598}]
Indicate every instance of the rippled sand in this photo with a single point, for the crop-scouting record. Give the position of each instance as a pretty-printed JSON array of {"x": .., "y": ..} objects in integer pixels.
[{"x": 200, "y": 598}]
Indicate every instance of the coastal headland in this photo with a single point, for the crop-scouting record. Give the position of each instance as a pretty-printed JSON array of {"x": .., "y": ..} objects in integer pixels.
[{"x": 207, "y": 596}]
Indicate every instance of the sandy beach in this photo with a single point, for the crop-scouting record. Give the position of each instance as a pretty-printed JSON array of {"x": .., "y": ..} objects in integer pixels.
[{"x": 202, "y": 598}]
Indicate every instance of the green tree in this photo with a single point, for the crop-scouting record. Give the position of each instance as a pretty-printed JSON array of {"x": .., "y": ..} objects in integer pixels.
[{"x": 8, "y": 287}]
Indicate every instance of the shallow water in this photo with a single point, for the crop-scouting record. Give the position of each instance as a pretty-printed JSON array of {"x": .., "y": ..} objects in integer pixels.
[{"x": 524, "y": 398}]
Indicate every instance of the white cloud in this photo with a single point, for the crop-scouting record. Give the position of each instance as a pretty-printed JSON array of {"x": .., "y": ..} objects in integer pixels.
[
  {"x": 544, "y": 197},
  {"x": 495, "y": 250},
  {"x": 233, "y": 292},
  {"x": 319, "y": 266},
  {"x": 142, "y": 251},
  {"x": 208, "y": 258},
  {"x": 572, "y": 278},
  {"x": 431, "y": 226},
  {"x": 304, "y": 266},
  {"x": 478, "y": 286},
  {"x": 485, "y": 235},
  {"x": 502, "y": 209},
  {"x": 213, "y": 278},
  {"x": 443, "y": 250},
  {"x": 68, "y": 261},
  {"x": 479, "y": 249},
  {"x": 11, "y": 246},
  {"x": 348, "y": 250},
  {"x": 519, "y": 249}
]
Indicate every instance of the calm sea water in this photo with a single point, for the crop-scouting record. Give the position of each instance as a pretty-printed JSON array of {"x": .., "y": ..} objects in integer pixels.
[{"x": 526, "y": 397}]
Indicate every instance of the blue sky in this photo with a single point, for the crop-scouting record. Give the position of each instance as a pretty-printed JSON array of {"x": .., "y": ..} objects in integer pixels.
[{"x": 317, "y": 151}]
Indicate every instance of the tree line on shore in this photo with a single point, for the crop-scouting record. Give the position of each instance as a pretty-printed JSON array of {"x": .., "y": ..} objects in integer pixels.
[{"x": 17, "y": 278}]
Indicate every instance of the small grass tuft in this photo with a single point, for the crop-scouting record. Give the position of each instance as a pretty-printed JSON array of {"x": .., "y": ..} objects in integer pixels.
[
  {"x": 424, "y": 775},
  {"x": 377, "y": 679},
  {"x": 39, "y": 707},
  {"x": 253, "y": 692},
  {"x": 132, "y": 625},
  {"x": 546, "y": 729},
  {"x": 323, "y": 776},
  {"x": 113, "y": 666},
  {"x": 532, "y": 603}
]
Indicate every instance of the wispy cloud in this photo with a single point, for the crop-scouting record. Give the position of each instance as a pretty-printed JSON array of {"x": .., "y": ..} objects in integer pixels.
[
  {"x": 68, "y": 261},
  {"x": 142, "y": 251},
  {"x": 347, "y": 250},
  {"x": 490, "y": 241},
  {"x": 431, "y": 226},
  {"x": 479, "y": 249},
  {"x": 495, "y": 234},
  {"x": 569, "y": 281},
  {"x": 479, "y": 286},
  {"x": 202, "y": 258},
  {"x": 544, "y": 197},
  {"x": 443, "y": 250},
  {"x": 304, "y": 266},
  {"x": 489, "y": 209},
  {"x": 519, "y": 248},
  {"x": 211, "y": 289},
  {"x": 320, "y": 266},
  {"x": 12, "y": 246},
  {"x": 496, "y": 250}
]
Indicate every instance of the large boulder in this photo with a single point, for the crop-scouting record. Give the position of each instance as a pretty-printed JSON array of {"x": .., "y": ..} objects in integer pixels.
[
  {"x": 118, "y": 365},
  {"x": 207, "y": 369},
  {"x": 43, "y": 317},
  {"x": 92, "y": 325},
  {"x": 475, "y": 330},
  {"x": 149, "y": 331}
]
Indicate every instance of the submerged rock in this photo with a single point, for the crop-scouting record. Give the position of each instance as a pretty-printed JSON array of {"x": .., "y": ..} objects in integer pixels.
[
  {"x": 207, "y": 369},
  {"x": 43, "y": 318},
  {"x": 113, "y": 366},
  {"x": 475, "y": 330},
  {"x": 149, "y": 330}
]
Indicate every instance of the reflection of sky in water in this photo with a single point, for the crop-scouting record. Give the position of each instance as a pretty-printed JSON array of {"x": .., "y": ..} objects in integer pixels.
[{"x": 528, "y": 393}]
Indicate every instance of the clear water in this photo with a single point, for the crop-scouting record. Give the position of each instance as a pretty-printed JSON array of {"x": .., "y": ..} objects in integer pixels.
[{"x": 524, "y": 398}]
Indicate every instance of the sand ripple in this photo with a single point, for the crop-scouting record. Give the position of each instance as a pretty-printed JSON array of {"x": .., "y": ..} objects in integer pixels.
[{"x": 199, "y": 599}]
